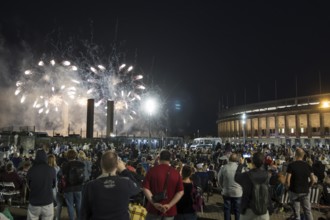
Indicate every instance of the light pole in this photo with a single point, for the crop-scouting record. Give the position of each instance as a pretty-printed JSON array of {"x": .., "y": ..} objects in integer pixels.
[{"x": 243, "y": 126}]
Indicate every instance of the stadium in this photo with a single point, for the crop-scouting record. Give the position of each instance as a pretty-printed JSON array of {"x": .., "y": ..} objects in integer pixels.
[{"x": 300, "y": 121}]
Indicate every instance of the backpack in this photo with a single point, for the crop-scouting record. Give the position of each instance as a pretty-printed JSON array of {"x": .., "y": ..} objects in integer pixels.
[
  {"x": 76, "y": 175},
  {"x": 259, "y": 196},
  {"x": 197, "y": 198}
]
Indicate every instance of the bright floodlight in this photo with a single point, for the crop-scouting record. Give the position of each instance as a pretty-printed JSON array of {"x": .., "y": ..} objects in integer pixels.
[
  {"x": 243, "y": 118},
  {"x": 150, "y": 106},
  {"x": 325, "y": 104}
]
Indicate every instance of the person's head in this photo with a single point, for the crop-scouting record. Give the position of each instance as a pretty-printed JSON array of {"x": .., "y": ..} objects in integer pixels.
[
  {"x": 199, "y": 166},
  {"x": 41, "y": 156},
  {"x": 82, "y": 155},
  {"x": 258, "y": 159},
  {"x": 140, "y": 170},
  {"x": 165, "y": 155},
  {"x": 15, "y": 154},
  {"x": 109, "y": 161},
  {"x": 309, "y": 161},
  {"x": 186, "y": 172},
  {"x": 52, "y": 160},
  {"x": 9, "y": 167},
  {"x": 26, "y": 165},
  {"x": 327, "y": 180},
  {"x": 233, "y": 157},
  {"x": 300, "y": 153},
  {"x": 71, "y": 154}
]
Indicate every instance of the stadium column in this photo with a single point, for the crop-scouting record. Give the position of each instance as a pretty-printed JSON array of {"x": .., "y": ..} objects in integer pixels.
[
  {"x": 90, "y": 118},
  {"x": 276, "y": 125},
  {"x": 297, "y": 125},
  {"x": 286, "y": 128},
  {"x": 267, "y": 126},
  {"x": 251, "y": 128},
  {"x": 259, "y": 128},
  {"x": 309, "y": 130},
  {"x": 110, "y": 113},
  {"x": 321, "y": 125}
]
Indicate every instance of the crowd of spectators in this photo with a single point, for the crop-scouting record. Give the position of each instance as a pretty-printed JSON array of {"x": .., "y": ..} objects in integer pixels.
[{"x": 201, "y": 167}]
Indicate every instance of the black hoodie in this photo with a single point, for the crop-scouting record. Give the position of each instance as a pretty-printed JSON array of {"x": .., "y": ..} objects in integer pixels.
[{"x": 41, "y": 180}]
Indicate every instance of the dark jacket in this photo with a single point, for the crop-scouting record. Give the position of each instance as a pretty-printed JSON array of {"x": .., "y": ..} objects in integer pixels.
[
  {"x": 107, "y": 197},
  {"x": 260, "y": 175},
  {"x": 41, "y": 180}
]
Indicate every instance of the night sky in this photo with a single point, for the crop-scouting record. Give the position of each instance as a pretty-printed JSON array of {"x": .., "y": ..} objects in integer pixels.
[{"x": 198, "y": 52}]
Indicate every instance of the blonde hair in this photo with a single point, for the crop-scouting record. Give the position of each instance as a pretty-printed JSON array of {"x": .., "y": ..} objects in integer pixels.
[
  {"x": 82, "y": 155},
  {"x": 52, "y": 160}
]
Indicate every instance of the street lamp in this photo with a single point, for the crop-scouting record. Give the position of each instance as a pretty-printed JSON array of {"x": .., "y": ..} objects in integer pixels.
[
  {"x": 150, "y": 107},
  {"x": 243, "y": 118}
]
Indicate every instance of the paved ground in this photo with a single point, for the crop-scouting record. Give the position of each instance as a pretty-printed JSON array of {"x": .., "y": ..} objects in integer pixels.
[{"x": 213, "y": 210}]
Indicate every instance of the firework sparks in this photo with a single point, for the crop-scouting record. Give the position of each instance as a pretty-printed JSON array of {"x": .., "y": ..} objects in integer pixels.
[
  {"x": 120, "y": 85},
  {"x": 48, "y": 86},
  {"x": 52, "y": 88}
]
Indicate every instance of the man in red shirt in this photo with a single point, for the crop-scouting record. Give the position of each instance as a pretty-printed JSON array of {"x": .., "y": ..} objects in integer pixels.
[{"x": 154, "y": 183}]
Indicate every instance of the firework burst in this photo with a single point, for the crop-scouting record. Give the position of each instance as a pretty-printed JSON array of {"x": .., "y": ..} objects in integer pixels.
[
  {"x": 119, "y": 84},
  {"x": 48, "y": 85}
]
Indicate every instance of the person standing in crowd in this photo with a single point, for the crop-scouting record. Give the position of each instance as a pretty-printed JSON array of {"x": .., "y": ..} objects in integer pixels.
[
  {"x": 297, "y": 181},
  {"x": 260, "y": 176},
  {"x": 96, "y": 166},
  {"x": 107, "y": 197},
  {"x": 22, "y": 174},
  {"x": 185, "y": 205},
  {"x": 154, "y": 184},
  {"x": 17, "y": 160},
  {"x": 140, "y": 173},
  {"x": 57, "y": 197},
  {"x": 145, "y": 164},
  {"x": 52, "y": 163},
  {"x": 88, "y": 164},
  {"x": 231, "y": 190},
  {"x": 319, "y": 171},
  {"x": 203, "y": 175},
  {"x": 41, "y": 180},
  {"x": 73, "y": 172}
]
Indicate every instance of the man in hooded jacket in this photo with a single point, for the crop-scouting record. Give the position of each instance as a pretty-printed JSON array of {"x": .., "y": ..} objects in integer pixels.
[{"x": 41, "y": 179}]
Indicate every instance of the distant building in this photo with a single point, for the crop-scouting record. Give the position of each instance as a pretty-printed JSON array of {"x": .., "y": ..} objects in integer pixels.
[{"x": 300, "y": 121}]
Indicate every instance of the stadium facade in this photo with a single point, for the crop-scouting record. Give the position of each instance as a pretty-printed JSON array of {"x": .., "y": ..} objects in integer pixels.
[{"x": 300, "y": 121}]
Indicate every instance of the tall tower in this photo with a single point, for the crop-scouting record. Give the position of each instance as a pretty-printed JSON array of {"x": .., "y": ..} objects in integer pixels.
[
  {"x": 110, "y": 114},
  {"x": 90, "y": 118}
]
